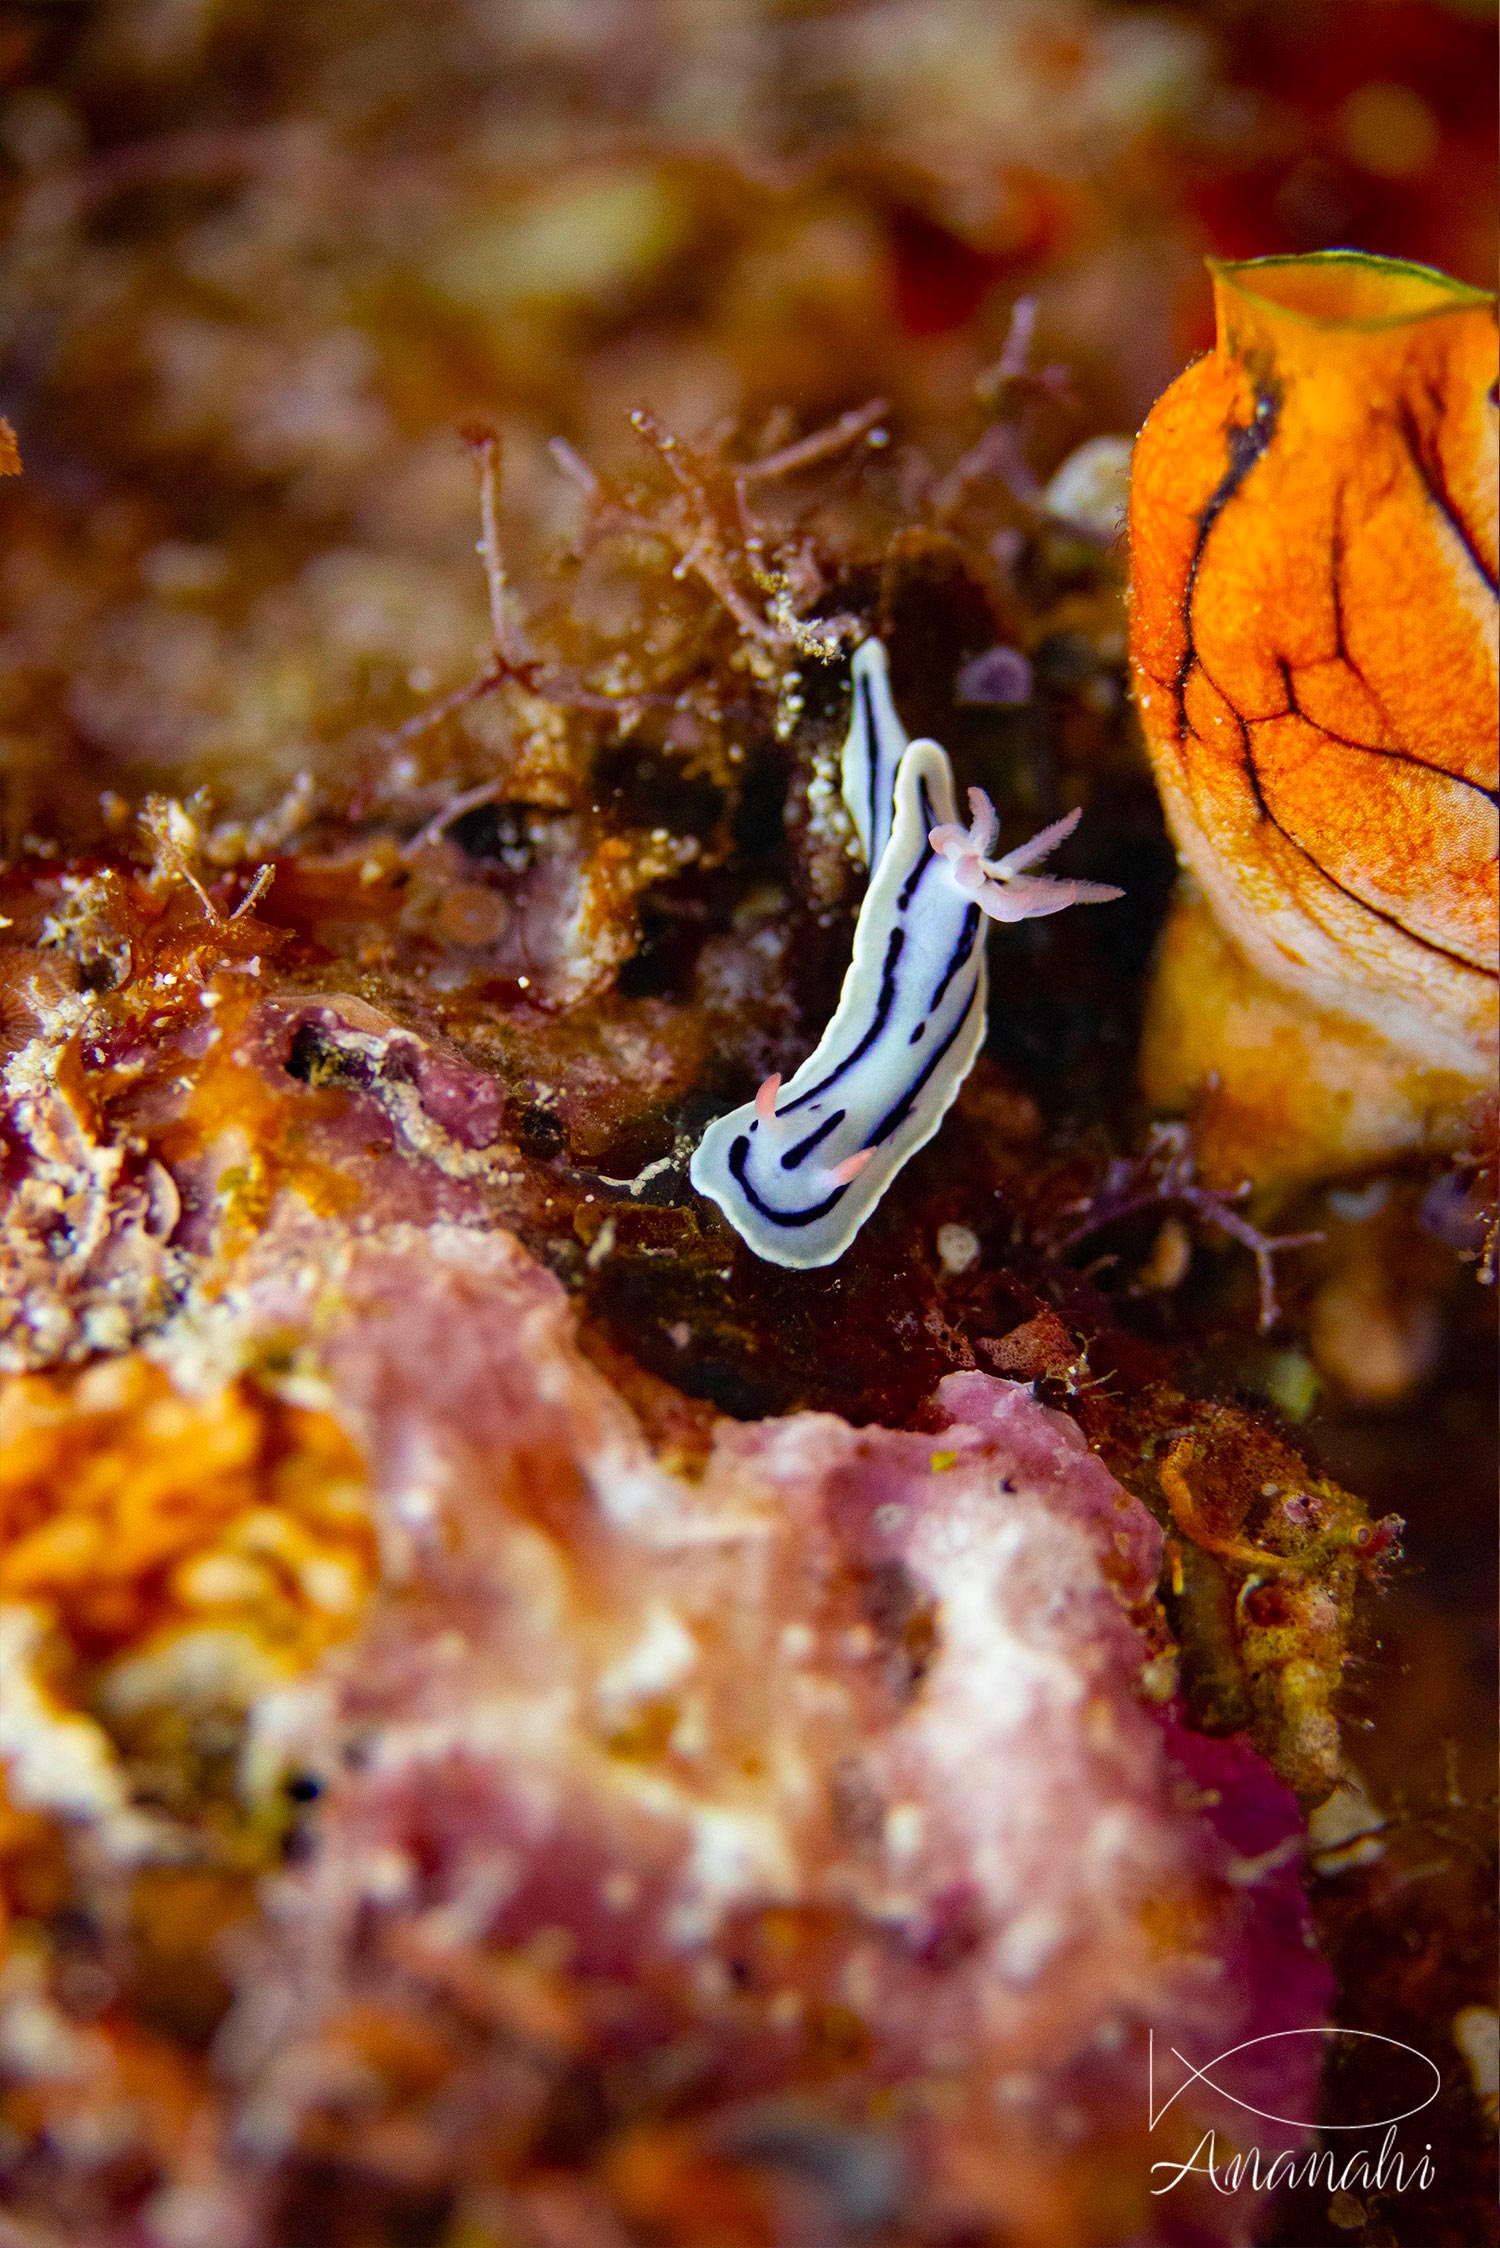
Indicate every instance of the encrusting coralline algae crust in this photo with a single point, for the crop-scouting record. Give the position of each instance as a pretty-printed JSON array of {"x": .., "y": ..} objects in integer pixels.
[
  {"x": 808, "y": 1803},
  {"x": 845, "y": 1764}
]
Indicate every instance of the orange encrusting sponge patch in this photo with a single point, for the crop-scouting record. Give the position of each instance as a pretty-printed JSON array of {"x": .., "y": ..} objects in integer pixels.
[{"x": 128, "y": 1510}]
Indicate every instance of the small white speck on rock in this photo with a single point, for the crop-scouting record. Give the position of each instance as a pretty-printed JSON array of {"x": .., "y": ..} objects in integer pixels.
[{"x": 957, "y": 1247}]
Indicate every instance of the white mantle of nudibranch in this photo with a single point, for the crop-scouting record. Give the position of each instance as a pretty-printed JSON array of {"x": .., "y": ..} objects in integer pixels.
[{"x": 799, "y": 1169}]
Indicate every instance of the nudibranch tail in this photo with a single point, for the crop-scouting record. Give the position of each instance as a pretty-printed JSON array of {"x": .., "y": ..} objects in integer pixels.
[
  {"x": 873, "y": 748},
  {"x": 799, "y": 1169}
]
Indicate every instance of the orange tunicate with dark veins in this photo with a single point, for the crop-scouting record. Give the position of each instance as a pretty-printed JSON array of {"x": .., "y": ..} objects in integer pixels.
[{"x": 1313, "y": 548}]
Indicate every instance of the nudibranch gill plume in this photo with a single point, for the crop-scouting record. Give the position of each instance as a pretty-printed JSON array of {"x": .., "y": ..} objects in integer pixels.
[{"x": 799, "y": 1169}]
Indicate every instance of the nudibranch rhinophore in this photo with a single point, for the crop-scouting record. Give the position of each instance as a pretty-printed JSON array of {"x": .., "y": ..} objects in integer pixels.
[{"x": 799, "y": 1169}]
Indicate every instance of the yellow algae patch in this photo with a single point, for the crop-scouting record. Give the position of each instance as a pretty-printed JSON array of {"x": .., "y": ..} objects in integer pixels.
[{"x": 130, "y": 1513}]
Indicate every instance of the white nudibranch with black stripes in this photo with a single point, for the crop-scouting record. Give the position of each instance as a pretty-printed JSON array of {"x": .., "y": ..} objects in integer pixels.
[{"x": 799, "y": 1169}]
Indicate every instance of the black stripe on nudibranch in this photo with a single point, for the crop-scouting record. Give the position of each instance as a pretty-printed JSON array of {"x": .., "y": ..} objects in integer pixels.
[
  {"x": 798, "y": 1155},
  {"x": 960, "y": 953},
  {"x": 884, "y": 1002},
  {"x": 738, "y": 1156},
  {"x": 872, "y": 763},
  {"x": 926, "y": 855},
  {"x": 896, "y": 1115}
]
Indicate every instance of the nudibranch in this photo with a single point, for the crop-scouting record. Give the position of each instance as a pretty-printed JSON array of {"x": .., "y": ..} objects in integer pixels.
[
  {"x": 799, "y": 1169},
  {"x": 1314, "y": 645}
]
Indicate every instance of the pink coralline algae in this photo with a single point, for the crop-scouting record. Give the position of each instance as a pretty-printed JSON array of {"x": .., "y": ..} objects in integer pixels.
[{"x": 802, "y": 1849}]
